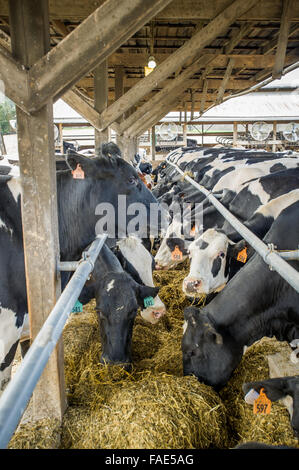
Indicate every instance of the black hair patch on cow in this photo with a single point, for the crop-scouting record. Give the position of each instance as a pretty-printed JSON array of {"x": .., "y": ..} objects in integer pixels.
[
  {"x": 277, "y": 167},
  {"x": 202, "y": 245},
  {"x": 9, "y": 356},
  {"x": 108, "y": 149},
  {"x": 173, "y": 242},
  {"x": 216, "y": 266}
]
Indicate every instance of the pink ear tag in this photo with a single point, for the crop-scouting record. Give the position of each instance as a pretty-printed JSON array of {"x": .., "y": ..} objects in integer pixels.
[{"x": 78, "y": 173}]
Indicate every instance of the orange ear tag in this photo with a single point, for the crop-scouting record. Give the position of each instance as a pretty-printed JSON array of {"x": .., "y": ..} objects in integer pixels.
[
  {"x": 192, "y": 231},
  {"x": 78, "y": 173},
  {"x": 262, "y": 405},
  {"x": 242, "y": 255},
  {"x": 176, "y": 254}
]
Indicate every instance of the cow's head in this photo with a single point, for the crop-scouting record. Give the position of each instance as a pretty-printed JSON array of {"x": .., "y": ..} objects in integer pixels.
[
  {"x": 207, "y": 353},
  {"x": 118, "y": 297},
  {"x": 107, "y": 177},
  {"x": 211, "y": 255},
  {"x": 172, "y": 251},
  {"x": 138, "y": 261}
]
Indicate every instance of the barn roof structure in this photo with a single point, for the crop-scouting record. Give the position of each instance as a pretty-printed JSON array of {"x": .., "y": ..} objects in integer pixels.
[
  {"x": 93, "y": 53},
  {"x": 240, "y": 50}
]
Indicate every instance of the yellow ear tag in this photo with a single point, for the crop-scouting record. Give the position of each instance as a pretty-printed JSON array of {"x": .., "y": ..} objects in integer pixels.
[
  {"x": 78, "y": 173},
  {"x": 192, "y": 231},
  {"x": 262, "y": 405},
  {"x": 242, "y": 255},
  {"x": 176, "y": 254}
]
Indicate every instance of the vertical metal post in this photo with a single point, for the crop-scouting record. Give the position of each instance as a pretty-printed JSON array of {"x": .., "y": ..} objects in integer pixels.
[{"x": 153, "y": 142}]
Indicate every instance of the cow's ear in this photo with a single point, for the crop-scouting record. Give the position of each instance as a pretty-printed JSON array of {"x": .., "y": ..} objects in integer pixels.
[
  {"x": 144, "y": 292},
  {"x": 235, "y": 250},
  {"x": 213, "y": 336},
  {"x": 84, "y": 166},
  {"x": 108, "y": 159},
  {"x": 190, "y": 313}
]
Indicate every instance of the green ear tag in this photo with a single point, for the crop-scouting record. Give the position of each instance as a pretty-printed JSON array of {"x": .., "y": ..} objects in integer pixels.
[
  {"x": 78, "y": 307},
  {"x": 148, "y": 301}
]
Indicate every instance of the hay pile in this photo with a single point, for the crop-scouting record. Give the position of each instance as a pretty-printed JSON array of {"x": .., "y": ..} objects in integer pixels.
[
  {"x": 274, "y": 428},
  {"x": 44, "y": 434},
  {"x": 154, "y": 412},
  {"x": 153, "y": 405}
]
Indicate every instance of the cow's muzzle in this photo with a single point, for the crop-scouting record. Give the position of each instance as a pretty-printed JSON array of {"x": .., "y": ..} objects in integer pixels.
[{"x": 191, "y": 286}]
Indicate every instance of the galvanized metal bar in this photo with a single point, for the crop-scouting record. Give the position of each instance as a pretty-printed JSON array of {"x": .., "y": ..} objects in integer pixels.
[
  {"x": 289, "y": 255},
  {"x": 67, "y": 265},
  {"x": 273, "y": 259},
  {"x": 17, "y": 394}
]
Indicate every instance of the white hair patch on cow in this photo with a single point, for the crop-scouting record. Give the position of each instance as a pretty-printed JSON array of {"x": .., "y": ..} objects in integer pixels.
[
  {"x": 9, "y": 335},
  {"x": 110, "y": 285},
  {"x": 14, "y": 187},
  {"x": 256, "y": 189},
  {"x": 277, "y": 205}
]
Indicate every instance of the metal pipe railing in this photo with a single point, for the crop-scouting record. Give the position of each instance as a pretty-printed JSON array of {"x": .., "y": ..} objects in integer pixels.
[
  {"x": 17, "y": 394},
  {"x": 270, "y": 257}
]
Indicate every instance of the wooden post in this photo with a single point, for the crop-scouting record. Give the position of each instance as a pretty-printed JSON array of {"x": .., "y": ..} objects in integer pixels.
[
  {"x": 101, "y": 99},
  {"x": 282, "y": 38},
  {"x": 29, "y": 26},
  {"x": 222, "y": 88},
  {"x": 118, "y": 92},
  {"x": 153, "y": 143},
  {"x": 204, "y": 95},
  {"x": 185, "y": 133},
  {"x": 274, "y": 135},
  {"x": 60, "y": 136},
  {"x": 2, "y": 145},
  {"x": 235, "y": 134}
]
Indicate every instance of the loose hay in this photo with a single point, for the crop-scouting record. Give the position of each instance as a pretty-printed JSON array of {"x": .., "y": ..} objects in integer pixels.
[
  {"x": 43, "y": 434},
  {"x": 156, "y": 412},
  {"x": 153, "y": 406},
  {"x": 274, "y": 428}
]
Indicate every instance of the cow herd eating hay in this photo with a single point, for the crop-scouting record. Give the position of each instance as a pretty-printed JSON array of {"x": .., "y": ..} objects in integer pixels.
[{"x": 154, "y": 406}]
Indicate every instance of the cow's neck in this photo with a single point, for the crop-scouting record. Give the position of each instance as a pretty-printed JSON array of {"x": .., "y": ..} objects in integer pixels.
[{"x": 76, "y": 217}]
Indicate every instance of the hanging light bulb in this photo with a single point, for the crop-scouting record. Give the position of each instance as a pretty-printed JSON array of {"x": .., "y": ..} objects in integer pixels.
[{"x": 151, "y": 62}]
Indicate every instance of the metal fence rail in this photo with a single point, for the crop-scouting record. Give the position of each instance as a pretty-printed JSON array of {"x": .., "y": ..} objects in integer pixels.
[
  {"x": 270, "y": 257},
  {"x": 17, "y": 394}
]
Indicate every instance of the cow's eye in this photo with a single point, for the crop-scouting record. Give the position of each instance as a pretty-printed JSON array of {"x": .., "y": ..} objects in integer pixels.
[{"x": 222, "y": 254}]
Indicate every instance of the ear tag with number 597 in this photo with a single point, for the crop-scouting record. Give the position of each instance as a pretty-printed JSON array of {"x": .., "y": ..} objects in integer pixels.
[{"x": 262, "y": 405}]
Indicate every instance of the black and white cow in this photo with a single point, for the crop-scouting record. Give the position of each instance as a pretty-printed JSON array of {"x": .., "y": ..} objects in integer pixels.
[
  {"x": 139, "y": 263},
  {"x": 106, "y": 177},
  {"x": 225, "y": 173},
  {"x": 256, "y": 302},
  {"x": 214, "y": 255},
  {"x": 118, "y": 297}
]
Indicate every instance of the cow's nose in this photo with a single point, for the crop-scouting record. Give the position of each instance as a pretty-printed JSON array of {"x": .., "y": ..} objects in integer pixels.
[
  {"x": 191, "y": 285},
  {"x": 126, "y": 364}
]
